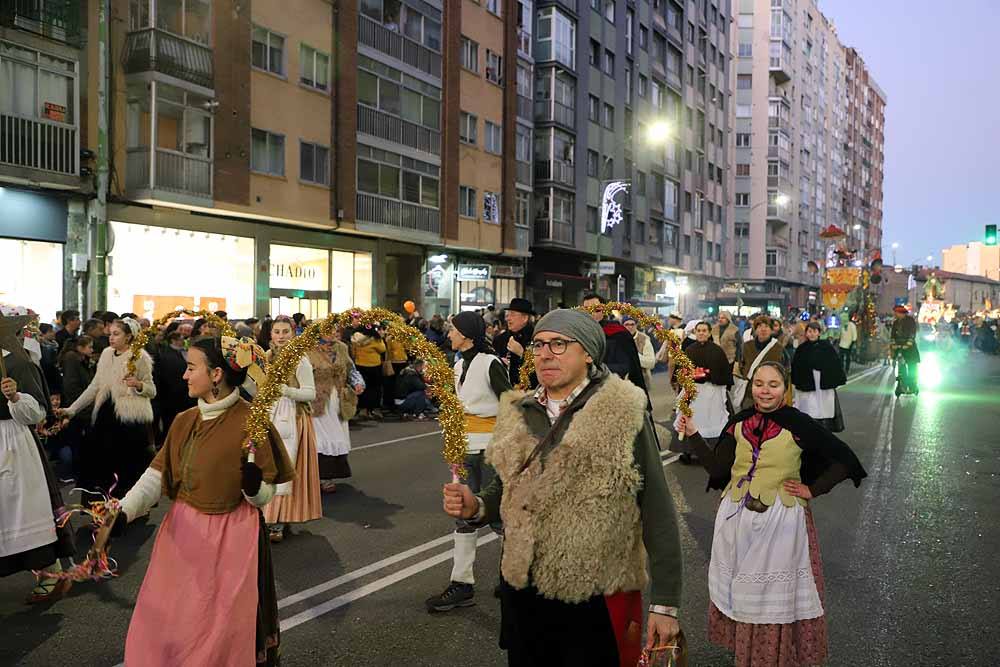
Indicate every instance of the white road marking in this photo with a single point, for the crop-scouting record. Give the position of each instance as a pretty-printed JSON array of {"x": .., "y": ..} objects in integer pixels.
[
  {"x": 395, "y": 440},
  {"x": 870, "y": 371}
]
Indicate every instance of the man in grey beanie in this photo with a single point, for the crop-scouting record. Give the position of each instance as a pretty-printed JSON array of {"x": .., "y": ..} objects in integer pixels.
[{"x": 581, "y": 492}]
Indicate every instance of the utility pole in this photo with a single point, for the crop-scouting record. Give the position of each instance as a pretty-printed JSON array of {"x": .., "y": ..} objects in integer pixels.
[{"x": 100, "y": 217}]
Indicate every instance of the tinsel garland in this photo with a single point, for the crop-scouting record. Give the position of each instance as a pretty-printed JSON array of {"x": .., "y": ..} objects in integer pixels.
[
  {"x": 685, "y": 369},
  {"x": 140, "y": 341},
  {"x": 438, "y": 373}
]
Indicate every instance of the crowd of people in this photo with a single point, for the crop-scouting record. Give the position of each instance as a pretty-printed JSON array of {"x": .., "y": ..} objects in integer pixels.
[{"x": 169, "y": 422}]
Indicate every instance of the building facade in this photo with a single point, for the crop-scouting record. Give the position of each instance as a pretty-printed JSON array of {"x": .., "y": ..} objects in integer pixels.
[
  {"x": 865, "y": 156},
  {"x": 975, "y": 259}
]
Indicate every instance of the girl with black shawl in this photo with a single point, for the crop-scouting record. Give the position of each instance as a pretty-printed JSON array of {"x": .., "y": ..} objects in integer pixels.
[
  {"x": 713, "y": 375},
  {"x": 765, "y": 575},
  {"x": 816, "y": 374}
]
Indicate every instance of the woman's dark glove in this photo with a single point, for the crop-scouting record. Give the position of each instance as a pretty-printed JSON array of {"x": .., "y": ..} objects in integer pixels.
[
  {"x": 118, "y": 527},
  {"x": 252, "y": 478}
]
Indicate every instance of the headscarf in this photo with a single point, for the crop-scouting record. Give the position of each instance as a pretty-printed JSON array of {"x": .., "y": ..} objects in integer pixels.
[
  {"x": 470, "y": 325},
  {"x": 245, "y": 353},
  {"x": 579, "y": 326},
  {"x": 132, "y": 325}
]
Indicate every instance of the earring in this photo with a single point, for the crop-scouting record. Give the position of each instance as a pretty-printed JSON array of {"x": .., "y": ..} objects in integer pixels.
[{"x": 215, "y": 389}]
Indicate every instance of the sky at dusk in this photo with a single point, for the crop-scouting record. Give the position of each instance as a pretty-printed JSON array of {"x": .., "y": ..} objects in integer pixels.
[{"x": 937, "y": 63}]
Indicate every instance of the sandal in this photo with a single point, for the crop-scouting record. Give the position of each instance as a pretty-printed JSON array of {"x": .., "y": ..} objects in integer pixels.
[{"x": 48, "y": 590}]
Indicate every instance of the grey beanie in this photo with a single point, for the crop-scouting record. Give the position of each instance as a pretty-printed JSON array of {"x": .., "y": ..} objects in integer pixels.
[{"x": 579, "y": 326}]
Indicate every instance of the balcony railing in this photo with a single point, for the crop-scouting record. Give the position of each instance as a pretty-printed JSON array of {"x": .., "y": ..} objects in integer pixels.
[
  {"x": 154, "y": 50},
  {"x": 775, "y": 271},
  {"x": 55, "y": 19},
  {"x": 399, "y": 214},
  {"x": 553, "y": 231},
  {"x": 674, "y": 80},
  {"x": 177, "y": 173},
  {"x": 399, "y": 131},
  {"x": 39, "y": 144},
  {"x": 552, "y": 111},
  {"x": 568, "y": 4},
  {"x": 555, "y": 170},
  {"x": 400, "y": 47},
  {"x": 524, "y": 108},
  {"x": 523, "y": 172}
]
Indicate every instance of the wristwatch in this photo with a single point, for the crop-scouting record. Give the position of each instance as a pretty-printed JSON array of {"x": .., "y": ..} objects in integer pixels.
[{"x": 663, "y": 610}]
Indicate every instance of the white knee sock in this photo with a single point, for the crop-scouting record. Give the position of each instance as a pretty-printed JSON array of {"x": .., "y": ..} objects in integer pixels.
[{"x": 465, "y": 558}]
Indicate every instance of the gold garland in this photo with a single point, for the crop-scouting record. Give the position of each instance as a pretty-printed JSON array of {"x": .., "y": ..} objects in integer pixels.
[
  {"x": 438, "y": 373},
  {"x": 142, "y": 338},
  {"x": 685, "y": 369}
]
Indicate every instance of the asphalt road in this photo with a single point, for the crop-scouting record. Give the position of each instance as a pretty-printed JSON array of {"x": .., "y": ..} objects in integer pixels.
[{"x": 910, "y": 558}]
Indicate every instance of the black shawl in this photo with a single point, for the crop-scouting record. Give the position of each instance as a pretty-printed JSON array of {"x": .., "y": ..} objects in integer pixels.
[
  {"x": 711, "y": 357},
  {"x": 820, "y": 356},
  {"x": 821, "y": 449}
]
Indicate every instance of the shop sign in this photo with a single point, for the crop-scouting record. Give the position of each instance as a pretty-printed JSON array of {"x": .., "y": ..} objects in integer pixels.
[
  {"x": 607, "y": 268},
  {"x": 299, "y": 268},
  {"x": 508, "y": 271},
  {"x": 55, "y": 112},
  {"x": 472, "y": 272},
  {"x": 549, "y": 282}
]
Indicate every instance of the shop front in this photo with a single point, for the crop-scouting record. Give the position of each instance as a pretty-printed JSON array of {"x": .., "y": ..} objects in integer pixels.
[
  {"x": 318, "y": 281},
  {"x": 32, "y": 241},
  {"x": 454, "y": 284}
]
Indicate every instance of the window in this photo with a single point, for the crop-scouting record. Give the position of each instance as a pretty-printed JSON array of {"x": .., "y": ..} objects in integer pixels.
[
  {"x": 744, "y": 82},
  {"x": 556, "y": 39},
  {"x": 745, "y": 50},
  {"x": 594, "y": 109},
  {"x": 314, "y": 163},
  {"x": 643, "y": 85},
  {"x": 742, "y": 110},
  {"x": 314, "y": 68},
  {"x": 687, "y": 244},
  {"x": 493, "y": 7},
  {"x": 593, "y": 163},
  {"x": 593, "y": 220},
  {"x": 419, "y": 188},
  {"x": 742, "y": 168},
  {"x": 643, "y": 37},
  {"x": 467, "y": 128},
  {"x": 743, "y": 140},
  {"x": 742, "y": 199},
  {"x": 671, "y": 194},
  {"x": 628, "y": 82},
  {"x": 595, "y": 53},
  {"x": 470, "y": 55},
  {"x": 742, "y": 229},
  {"x": 609, "y": 117},
  {"x": 466, "y": 201},
  {"x": 744, "y": 20},
  {"x": 657, "y": 97},
  {"x": 268, "y": 51},
  {"x": 522, "y": 146},
  {"x": 34, "y": 84},
  {"x": 523, "y": 209},
  {"x": 629, "y": 22},
  {"x": 267, "y": 152},
  {"x": 609, "y": 63},
  {"x": 609, "y": 10},
  {"x": 400, "y": 96},
  {"x": 640, "y": 183},
  {"x": 378, "y": 179},
  {"x": 524, "y": 21},
  {"x": 494, "y": 138},
  {"x": 718, "y": 252},
  {"x": 609, "y": 168},
  {"x": 491, "y": 207},
  {"x": 494, "y": 67},
  {"x": 742, "y": 260}
]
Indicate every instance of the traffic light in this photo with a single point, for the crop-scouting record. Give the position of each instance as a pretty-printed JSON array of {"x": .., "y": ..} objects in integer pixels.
[{"x": 991, "y": 235}]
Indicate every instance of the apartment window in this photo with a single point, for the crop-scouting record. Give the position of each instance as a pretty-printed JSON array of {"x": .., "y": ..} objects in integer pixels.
[
  {"x": 744, "y": 81},
  {"x": 314, "y": 163},
  {"x": 742, "y": 199},
  {"x": 470, "y": 55},
  {"x": 378, "y": 179},
  {"x": 491, "y": 207},
  {"x": 593, "y": 163},
  {"x": 609, "y": 117},
  {"x": 742, "y": 229},
  {"x": 745, "y": 50},
  {"x": 718, "y": 252},
  {"x": 671, "y": 192},
  {"x": 609, "y": 63},
  {"x": 687, "y": 244},
  {"x": 628, "y": 82},
  {"x": 595, "y": 53},
  {"x": 466, "y": 201},
  {"x": 522, "y": 146},
  {"x": 743, "y": 140},
  {"x": 314, "y": 68},
  {"x": 493, "y": 7},
  {"x": 629, "y": 23},
  {"x": 594, "y": 109},
  {"x": 643, "y": 85},
  {"x": 34, "y": 84},
  {"x": 494, "y": 138},
  {"x": 609, "y": 168},
  {"x": 657, "y": 97},
  {"x": 523, "y": 209},
  {"x": 467, "y": 128},
  {"x": 670, "y": 236},
  {"x": 268, "y": 51},
  {"x": 593, "y": 220},
  {"x": 420, "y": 188},
  {"x": 556, "y": 39},
  {"x": 689, "y": 161},
  {"x": 419, "y": 104},
  {"x": 609, "y": 10},
  {"x": 718, "y": 137},
  {"x": 267, "y": 152},
  {"x": 643, "y": 37},
  {"x": 742, "y": 110},
  {"x": 687, "y": 201},
  {"x": 494, "y": 67},
  {"x": 743, "y": 169},
  {"x": 742, "y": 260}
]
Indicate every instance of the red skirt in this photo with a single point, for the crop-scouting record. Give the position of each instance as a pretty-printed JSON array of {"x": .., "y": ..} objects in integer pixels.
[{"x": 798, "y": 644}]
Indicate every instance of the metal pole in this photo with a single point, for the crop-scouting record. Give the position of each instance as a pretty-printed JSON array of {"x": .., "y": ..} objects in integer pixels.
[{"x": 103, "y": 150}]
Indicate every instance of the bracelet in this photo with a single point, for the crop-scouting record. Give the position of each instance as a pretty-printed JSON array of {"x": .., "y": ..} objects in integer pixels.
[{"x": 663, "y": 610}]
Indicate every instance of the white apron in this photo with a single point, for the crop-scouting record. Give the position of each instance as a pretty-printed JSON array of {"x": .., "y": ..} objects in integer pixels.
[
  {"x": 333, "y": 438},
  {"x": 760, "y": 570},
  {"x": 283, "y": 418},
  {"x": 818, "y": 404},
  {"x": 26, "y": 520},
  {"x": 708, "y": 409}
]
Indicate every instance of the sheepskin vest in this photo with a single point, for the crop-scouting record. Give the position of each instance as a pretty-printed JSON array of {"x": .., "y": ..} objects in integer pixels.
[
  {"x": 329, "y": 374},
  {"x": 130, "y": 408},
  {"x": 572, "y": 526}
]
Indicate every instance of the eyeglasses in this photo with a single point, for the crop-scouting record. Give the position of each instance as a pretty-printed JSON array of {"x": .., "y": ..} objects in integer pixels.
[{"x": 556, "y": 346}]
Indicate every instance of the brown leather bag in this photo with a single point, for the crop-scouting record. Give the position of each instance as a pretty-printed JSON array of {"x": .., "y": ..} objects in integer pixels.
[{"x": 348, "y": 403}]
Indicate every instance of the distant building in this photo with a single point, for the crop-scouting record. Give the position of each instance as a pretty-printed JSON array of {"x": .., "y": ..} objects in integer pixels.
[
  {"x": 967, "y": 293},
  {"x": 973, "y": 258}
]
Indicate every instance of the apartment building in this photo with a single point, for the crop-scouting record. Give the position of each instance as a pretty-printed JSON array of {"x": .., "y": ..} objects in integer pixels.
[
  {"x": 637, "y": 92},
  {"x": 865, "y": 154},
  {"x": 45, "y": 169},
  {"x": 791, "y": 133},
  {"x": 974, "y": 259}
]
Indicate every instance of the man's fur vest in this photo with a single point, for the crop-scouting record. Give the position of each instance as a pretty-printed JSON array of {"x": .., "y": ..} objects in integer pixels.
[{"x": 572, "y": 526}]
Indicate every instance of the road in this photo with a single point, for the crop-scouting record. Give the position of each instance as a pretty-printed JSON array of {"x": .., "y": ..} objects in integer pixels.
[{"x": 910, "y": 558}]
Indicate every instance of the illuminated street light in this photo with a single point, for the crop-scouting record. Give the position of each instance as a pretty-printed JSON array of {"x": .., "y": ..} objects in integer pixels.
[
  {"x": 857, "y": 227},
  {"x": 659, "y": 132},
  {"x": 895, "y": 246},
  {"x": 782, "y": 200}
]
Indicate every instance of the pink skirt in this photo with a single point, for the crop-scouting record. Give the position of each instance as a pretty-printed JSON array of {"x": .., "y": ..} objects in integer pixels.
[
  {"x": 198, "y": 602},
  {"x": 304, "y": 504},
  {"x": 799, "y": 644}
]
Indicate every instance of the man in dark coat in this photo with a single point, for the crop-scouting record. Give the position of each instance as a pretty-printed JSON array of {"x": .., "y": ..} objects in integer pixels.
[
  {"x": 168, "y": 375},
  {"x": 621, "y": 356},
  {"x": 511, "y": 344},
  {"x": 904, "y": 346}
]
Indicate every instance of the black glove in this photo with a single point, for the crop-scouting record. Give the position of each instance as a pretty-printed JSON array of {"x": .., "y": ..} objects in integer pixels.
[
  {"x": 118, "y": 527},
  {"x": 252, "y": 478}
]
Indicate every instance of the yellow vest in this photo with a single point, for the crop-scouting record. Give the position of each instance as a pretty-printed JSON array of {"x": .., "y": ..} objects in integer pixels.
[{"x": 780, "y": 459}]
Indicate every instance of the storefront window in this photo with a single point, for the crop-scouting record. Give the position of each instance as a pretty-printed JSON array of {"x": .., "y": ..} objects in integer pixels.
[
  {"x": 192, "y": 270},
  {"x": 32, "y": 276},
  {"x": 352, "y": 281}
]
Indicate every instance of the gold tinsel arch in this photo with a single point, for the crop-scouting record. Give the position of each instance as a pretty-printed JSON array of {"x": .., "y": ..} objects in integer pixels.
[
  {"x": 439, "y": 375},
  {"x": 685, "y": 369},
  {"x": 140, "y": 341}
]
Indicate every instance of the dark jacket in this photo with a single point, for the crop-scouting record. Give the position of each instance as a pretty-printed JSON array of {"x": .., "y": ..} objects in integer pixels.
[
  {"x": 77, "y": 374},
  {"x": 172, "y": 390},
  {"x": 409, "y": 381},
  {"x": 514, "y": 362},
  {"x": 817, "y": 356},
  {"x": 621, "y": 356}
]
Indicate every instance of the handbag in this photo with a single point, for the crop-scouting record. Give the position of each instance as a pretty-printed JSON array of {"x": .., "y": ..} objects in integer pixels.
[
  {"x": 348, "y": 403},
  {"x": 387, "y": 369}
]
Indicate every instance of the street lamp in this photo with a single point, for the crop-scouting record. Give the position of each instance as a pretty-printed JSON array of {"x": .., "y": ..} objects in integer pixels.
[
  {"x": 658, "y": 133},
  {"x": 895, "y": 247}
]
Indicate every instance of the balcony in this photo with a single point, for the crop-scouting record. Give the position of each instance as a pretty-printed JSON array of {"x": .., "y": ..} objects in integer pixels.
[
  {"x": 780, "y": 61},
  {"x": 568, "y": 4},
  {"x": 399, "y": 131},
  {"x": 54, "y": 19},
  {"x": 522, "y": 239},
  {"x": 779, "y": 153},
  {"x": 524, "y": 108},
  {"x": 775, "y": 271},
  {"x": 171, "y": 175},
  {"x": 155, "y": 50},
  {"x": 523, "y": 172},
  {"x": 673, "y": 168},
  {"x": 398, "y": 214},
  {"x": 553, "y": 231},
  {"x": 41, "y": 144},
  {"x": 556, "y": 171},
  {"x": 391, "y": 43},
  {"x": 550, "y": 111},
  {"x": 674, "y": 80}
]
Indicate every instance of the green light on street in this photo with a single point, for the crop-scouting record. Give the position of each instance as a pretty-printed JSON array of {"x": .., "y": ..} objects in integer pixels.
[{"x": 930, "y": 375}]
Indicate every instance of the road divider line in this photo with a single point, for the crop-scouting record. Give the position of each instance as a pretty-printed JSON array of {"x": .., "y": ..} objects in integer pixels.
[
  {"x": 395, "y": 440},
  {"x": 870, "y": 371}
]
